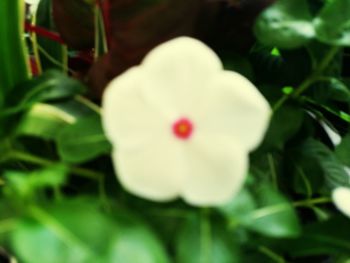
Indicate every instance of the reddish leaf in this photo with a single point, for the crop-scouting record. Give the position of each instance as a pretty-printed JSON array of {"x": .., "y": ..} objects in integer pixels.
[
  {"x": 136, "y": 26},
  {"x": 74, "y": 20}
]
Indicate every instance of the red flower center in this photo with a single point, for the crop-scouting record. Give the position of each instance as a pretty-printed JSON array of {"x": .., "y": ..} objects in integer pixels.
[{"x": 183, "y": 128}]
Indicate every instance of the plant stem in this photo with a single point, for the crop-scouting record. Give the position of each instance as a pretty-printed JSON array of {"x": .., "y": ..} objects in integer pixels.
[
  {"x": 92, "y": 106},
  {"x": 310, "y": 202},
  {"x": 271, "y": 254},
  {"x": 29, "y": 158},
  {"x": 172, "y": 213},
  {"x": 273, "y": 170},
  {"x": 311, "y": 79},
  {"x": 205, "y": 236}
]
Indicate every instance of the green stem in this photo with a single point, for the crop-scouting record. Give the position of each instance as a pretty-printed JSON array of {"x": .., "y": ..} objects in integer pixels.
[
  {"x": 306, "y": 182},
  {"x": 273, "y": 170},
  {"x": 92, "y": 106},
  {"x": 311, "y": 202},
  {"x": 271, "y": 254},
  {"x": 53, "y": 60},
  {"x": 205, "y": 236},
  {"x": 29, "y": 158},
  {"x": 311, "y": 79},
  {"x": 172, "y": 213}
]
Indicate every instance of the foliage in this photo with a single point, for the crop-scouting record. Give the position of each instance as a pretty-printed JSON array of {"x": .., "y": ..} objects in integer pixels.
[{"x": 59, "y": 198}]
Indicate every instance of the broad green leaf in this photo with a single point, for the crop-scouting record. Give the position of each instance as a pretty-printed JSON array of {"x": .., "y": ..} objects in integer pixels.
[
  {"x": 14, "y": 65},
  {"x": 69, "y": 232},
  {"x": 343, "y": 150},
  {"x": 286, "y": 24},
  {"x": 34, "y": 243},
  {"x": 333, "y": 24},
  {"x": 275, "y": 216},
  {"x": 195, "y": 244},
  {"x": 45, "y": 121},
  {"x": 82, "y": 141},
  {"x": 77, "y": 231},
  {"x": 331, "y": 237},
  {"x": 280, "y": 130},
  {"x": 52, "y": 85},
  {"x": 14, "y": 61},
  {"x": 332, "y": 171},
  {"x": 26, "y": 185},
  {"x": 331, "y": 89},
  {"x": 136, "y": 243},
  {"x": 268, "y": 213},
  {"x": 239, "y": 208}
]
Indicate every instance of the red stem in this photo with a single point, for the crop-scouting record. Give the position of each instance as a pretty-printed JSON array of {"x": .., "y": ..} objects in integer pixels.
[{"x": 40, "y": 31}]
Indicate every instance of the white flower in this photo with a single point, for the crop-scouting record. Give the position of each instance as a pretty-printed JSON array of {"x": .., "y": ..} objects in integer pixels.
[
  {"x": 341, "y": 199},
  {"x": 182, "y": 126},
  {"x": 33, "y": 5}
]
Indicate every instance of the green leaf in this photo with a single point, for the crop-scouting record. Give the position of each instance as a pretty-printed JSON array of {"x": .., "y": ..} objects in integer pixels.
[
  {"x": 333, "y": 25},
  {"x": 75, "y": 231},
  {"x": 280, "y": 130},
  {"x": 239, "y": 208},
  {"x": 342, "y": 151},
  {"x": 14, "y": 65},
  {"x": 196, "y": 245},
  {"x": 325, "y": 160},
  {"x": 136, "y": 237},
  {"x": 45, "y": 121},
  {"x": 331, "y": 237},
  {"x": 331, "y": 89},
  {"x": 275, "y": 216},
  {"x": 83, "y": 141},
  {"x": 52, "y": 85},
  {"x": 26, "y": 185},
  {"x": 286, "y": 24},
  {"x": 268, "y": 213}
]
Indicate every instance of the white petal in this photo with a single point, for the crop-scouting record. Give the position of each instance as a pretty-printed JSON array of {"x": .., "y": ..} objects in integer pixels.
[
  {"x": 32, "y": 2},
  {"x": 216, "y": 170},
  {"x": 333, "y": 136},
  {"x": 128, "y": 119},
  {"x": 341, "y": 199},
  {"x": 235, "y": 107},
  {"x": 152, "y": 171},
  {"x": 178, "y": 72}
]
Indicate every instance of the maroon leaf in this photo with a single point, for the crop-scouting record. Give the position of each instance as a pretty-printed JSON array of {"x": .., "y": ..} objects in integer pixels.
[
  {"x": 74, "y": 20},
  {"x": 136, "y": 26}
]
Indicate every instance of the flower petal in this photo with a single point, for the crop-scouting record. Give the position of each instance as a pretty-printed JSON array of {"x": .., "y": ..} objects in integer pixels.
[
  {"x": 178, "y": 71},
  {"x": 128, "y": 119},
  {"x": 153, "y": 172},
  {"x": 217, "y": 169},
  {"x": 341, "y": 199},
  {"x": 235, "y": 107}
]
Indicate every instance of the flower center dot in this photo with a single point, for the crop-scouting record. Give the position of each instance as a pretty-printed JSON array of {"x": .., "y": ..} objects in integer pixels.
[{"x": 183, "y": 128}]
